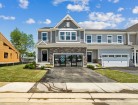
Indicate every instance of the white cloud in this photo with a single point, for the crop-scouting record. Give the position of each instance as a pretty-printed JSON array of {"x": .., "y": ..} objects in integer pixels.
[
  {"x": 56, "y": 2},
  {"x": 24, "y": 4},
  {"x": 135, "y": 10},
  {"x": 47, "y": 21},
  {"x": 109, "y": 17},
  {"x": 98, "y": 6},
  {"x": 100, "y": 20},
  {"x": 95, "y": 25},
  {"x": 114, "y": 1},
  {"x": 1, "y": 5},
  {"x": 131, "y": 21},
  {"x": 77, "y": 7},
  {"x": 7, "y": 17},
  {"x": 74, "y": 5},
  {"x": 30, "y": 21},
  {"x": 120, "y": 9}
]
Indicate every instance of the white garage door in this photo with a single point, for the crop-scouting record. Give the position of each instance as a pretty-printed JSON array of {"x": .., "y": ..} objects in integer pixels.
[{"x": 115, "y": 60}]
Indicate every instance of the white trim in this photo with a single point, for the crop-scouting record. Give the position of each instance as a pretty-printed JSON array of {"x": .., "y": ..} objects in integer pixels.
[
  {"x": 67, "y": 29},
  {"x": 68, "y": 42},
  {"x": 46, "y": 36},
  {"x": 122, "y": 39},
  {"x": 41, "y": 41},
  {"x": 41, "y": 55},
  {"x": 84, "y": 37},
  {"x": 111, "y": 39},
  {"x": 65, "y": 36},
  {"x": 97, "y": 38},
  {"x": 68, "y": 16}
]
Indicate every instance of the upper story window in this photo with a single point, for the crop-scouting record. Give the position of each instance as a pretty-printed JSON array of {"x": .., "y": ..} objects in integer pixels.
[
  {"x": 67, "y": 24},
  {"x": 68, "y": 36},
  {"x": 109, "y": 39},
  {"x": 73, "y": 35},
  {"x": 44, "y": 36},
  {"x": 120, "y": 39},
  {"x": 99, "y": 38},
  {"x": 89, "y": 38}
]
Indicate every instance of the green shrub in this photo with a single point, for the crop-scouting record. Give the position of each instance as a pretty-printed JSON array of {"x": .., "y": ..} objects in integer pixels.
[
  {"x": 42, "y": 67},
  {"x": 26, "y": 66},
  {"x": 91, "y": 67},
  {"x": 29, "y": 66}
]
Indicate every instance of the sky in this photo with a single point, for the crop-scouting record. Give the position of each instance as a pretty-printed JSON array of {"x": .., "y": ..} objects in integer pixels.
[{"x": 30, "y": 15}]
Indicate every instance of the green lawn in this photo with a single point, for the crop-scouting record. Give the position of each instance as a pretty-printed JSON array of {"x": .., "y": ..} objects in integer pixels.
[
  {"x": 18, "y": 74},
  {"x": 119, "y": 76}
]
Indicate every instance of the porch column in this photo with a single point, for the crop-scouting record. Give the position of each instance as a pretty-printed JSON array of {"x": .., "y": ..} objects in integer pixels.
[
  {"x": 134, "y": 56},
  {"x": 36, "y": 55},
  {"x": 128, "y": 40}
]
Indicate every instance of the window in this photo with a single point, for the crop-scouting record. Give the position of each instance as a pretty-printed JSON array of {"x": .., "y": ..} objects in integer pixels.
[
  {"x": 120, "y": 39},
  {"x": 109, "y": 39},
  {"x": 67, "y": 24},
  {"x": 5, "y": 55},
  {"x": 99, "y": 38},
  {"x": 117, "y": 55},
  {"x": 125, "y": 56},
  {"x": 73, "y": 35},
  {"x": 111, "y": 55},
  {"x": 67, "y": 35},
  {"x": 44, "y": 36},
  {"x": 104, "y": 55},
  {"x": 44, "y": 55},
  {"x": 89, "y": 38}
]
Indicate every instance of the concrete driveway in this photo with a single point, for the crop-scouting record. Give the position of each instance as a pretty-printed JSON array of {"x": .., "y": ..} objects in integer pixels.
[{"x": 73, "y": 75}]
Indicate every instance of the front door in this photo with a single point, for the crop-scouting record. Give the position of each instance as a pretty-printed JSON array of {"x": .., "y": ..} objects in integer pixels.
[{"x": 89, "y": 56}]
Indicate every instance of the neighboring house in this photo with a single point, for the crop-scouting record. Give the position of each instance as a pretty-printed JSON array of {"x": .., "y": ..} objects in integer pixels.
[
  {"x": 67, "y": 44},
  {"x": 8, "y": 54}
]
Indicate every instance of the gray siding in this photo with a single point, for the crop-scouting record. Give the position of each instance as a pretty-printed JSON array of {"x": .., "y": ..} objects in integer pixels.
[
  {"x": 133, "y": 39},
  {"x": 53, "y": 37},
  {"x": 63, "y": 24}
]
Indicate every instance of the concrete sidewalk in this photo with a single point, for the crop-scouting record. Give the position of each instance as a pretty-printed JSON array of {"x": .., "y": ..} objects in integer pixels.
[
  {"x": 24, "y": 87},
  {"x": 66, "y": 98}
]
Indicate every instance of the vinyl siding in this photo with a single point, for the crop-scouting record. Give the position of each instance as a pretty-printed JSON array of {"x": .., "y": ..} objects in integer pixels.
[{"x": 63, "y": 24}]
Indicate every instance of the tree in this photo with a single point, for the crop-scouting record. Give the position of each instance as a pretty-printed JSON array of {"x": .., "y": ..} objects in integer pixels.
[{"x": 22, "y": 42}]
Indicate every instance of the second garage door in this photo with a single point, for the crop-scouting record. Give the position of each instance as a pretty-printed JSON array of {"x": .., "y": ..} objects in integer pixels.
[{"x": 110, "y": 60}]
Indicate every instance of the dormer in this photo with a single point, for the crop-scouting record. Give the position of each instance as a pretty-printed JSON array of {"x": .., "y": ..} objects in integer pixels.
[{"x": 67, "y": 22}]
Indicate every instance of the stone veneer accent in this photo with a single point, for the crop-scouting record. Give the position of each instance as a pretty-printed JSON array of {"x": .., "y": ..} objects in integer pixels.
[{"x": 68, "y": 50}]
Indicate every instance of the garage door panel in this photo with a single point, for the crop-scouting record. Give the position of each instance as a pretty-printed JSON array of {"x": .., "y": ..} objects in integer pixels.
[{"x": 115, "y": 61}]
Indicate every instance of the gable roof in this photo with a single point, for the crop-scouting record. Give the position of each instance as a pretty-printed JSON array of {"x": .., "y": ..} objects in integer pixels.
[
  {"x": 68, "y": 17},
  {"x": 133, "y": 28},
  {"x": 9, "y": 44}
]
